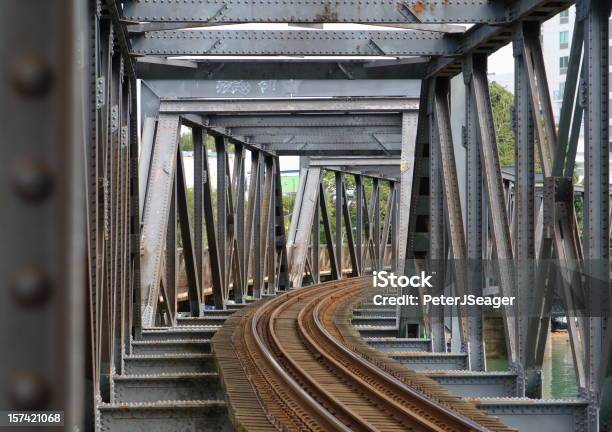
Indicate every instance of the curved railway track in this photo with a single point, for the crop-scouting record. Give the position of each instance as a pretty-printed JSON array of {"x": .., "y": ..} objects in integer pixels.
[{"x": 306, "y": 379}]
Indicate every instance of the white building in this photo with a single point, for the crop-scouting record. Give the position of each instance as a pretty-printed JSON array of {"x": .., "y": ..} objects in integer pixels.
[{"x": 556, "y": 43}]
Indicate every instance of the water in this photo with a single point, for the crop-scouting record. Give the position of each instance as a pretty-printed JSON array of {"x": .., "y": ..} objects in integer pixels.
[{"x": 558, "y": 376}]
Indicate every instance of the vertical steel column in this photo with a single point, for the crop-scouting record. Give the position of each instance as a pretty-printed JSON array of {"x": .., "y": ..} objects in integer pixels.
[
  {"x": 376, "y": 223},
  {"x": 171, "y": 252},
  {"x": 524, "y": 226},
  {"x": 193, "y": 288},
  {"x": 222, "y": 209},
  {"x": 338, "y": 207},
  {"x": 257, "y": 259},
  {"x": 451, "y": 198},
  {"x": 359, "y": 197},
  {"x": 280, "y": 238},
  {"x": 407, "y": 175},
  {"x": 239, "y": 221},
  {"x": 199, "y": 150},
  {"x": 436, "y": 223},
  {"x": 596, "y": 198},
  {"x": 474, "y": 225},
  {"x": 316, "y": 244},
  {"x": 199, "y": 140},
  {"x": 45, "y": 113},
  {"x": 495, "y": 194},
  {"x": 250, "y": 218},
  {"x": 349, "y": 232},
  {"x": 329, "y": 242},
  {"x": 155, "y": 219}
]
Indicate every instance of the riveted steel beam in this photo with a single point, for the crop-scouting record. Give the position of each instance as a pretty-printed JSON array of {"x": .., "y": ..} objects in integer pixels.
[
  {"x": 156, "y": 212},
  {"x": 378, "y": 11},
  {"x": 297, "y": 121},
  {"x": 268, "y": 106},
  {"x": 282, "y": 88},
  {"x": 314, "y": 134},
  {"x": 495, "y": 194},
  {"x": 293, "y": 42}
]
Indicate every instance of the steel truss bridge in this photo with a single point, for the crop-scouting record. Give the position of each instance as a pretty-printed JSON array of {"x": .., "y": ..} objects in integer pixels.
[{"x": 383, "y": 98}]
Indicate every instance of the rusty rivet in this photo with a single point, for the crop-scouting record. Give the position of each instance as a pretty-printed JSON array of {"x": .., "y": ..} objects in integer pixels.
[
  {"x": 31, "y": 77},
  {"x": 28, "y": 391},
  {"x": 31, "y": 286},
  {"x": 32, "y": 180}
]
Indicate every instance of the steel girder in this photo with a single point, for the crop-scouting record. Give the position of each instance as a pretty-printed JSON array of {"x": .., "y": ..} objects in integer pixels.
[
  {"x": 270, "y": 121},
  {"x": 272, "y": 106},
  {"x": 44, "y": 245},
  {"x": 282, "y": 88},
  {"x": 378, "y": 11},
  {"x": 294, "y": 42}
]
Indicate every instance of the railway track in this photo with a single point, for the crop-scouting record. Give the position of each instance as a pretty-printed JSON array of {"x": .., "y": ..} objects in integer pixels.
[{"x": 305, "y": 378}]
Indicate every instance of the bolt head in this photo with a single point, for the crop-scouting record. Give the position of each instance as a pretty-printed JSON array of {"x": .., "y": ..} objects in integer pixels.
[
  {"x": 31, "y": 286},
  {"x": 28, "y": 391},
  {"x": 31, "y": 77},
  {"x": 32, "y": 181}
]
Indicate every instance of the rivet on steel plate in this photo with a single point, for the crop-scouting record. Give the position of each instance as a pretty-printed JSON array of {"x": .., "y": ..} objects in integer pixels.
[
  {"x": 31, "y": 180},
  {"x": 31, "y": 286}
]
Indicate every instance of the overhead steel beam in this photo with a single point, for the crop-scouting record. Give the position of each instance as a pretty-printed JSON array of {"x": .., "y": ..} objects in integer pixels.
[
  {"x": 280, "y": 69},
  {"x": 272, "y": 134},
  {"x": 333, "y": 149},
  {"x": 293, "y": 42},
  {"x": 260, "y": 106},
  {"x": 282, "y": 88},
  {"x": 377, "y": 11},
  {"x": 305, "y": 121},
  {"x": 308, "y": 136}
]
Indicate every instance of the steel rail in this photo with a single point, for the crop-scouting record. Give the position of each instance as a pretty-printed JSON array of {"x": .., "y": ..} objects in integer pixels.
[
  {"x": 309, "y": 402},
  {"x": 333, "y": 408},
  {"x": 384, "y": 376}
]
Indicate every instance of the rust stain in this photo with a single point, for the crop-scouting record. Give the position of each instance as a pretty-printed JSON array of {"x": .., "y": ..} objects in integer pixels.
[
  {"x": 328, "y": 15},
  {"x": 418, "y": 7}
]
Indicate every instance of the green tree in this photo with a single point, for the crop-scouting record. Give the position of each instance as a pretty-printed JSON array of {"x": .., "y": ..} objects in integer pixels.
[{"x": 502, "y": 103}]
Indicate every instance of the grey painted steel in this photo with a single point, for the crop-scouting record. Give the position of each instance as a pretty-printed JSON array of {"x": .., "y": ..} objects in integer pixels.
[
  {"x": 164, "y": 416},
  {"x": 314, "y": 134},
  {"x": 193, "y": 281},
  {"x": 278, "y": 88},
  {"x": 399, "y": 344},
  {"x": 171, "y": 261},
  {"x": 167, "y": 387},
  {"x": 199, "y": 141},
  {"x": 597, "y": 203},
  {"x": 559, "y": 229},
  {"x": 338, "y": 238},
  {"x": 144, "y": 161},
  {"x": 379, "y": 11},
  {"x": 495, "y": 194},
  {"x": 289, "y": 69},
  {"x": 437, "y": 253},
  {"x": 524, "y": 226},
  {"x": 545, "y": 416},
  {"x": 267, "y": 106},
  {"x": 293, "y": 42},
  {"x": 474, "y": 226},
  {"x": 303, "y": 215},
  {"x": 458, "y": 249},
  {"x": 220, "y": 149},
  {"x": 407, "y": 166},
  {"x": 478, "y": 384},
  {"x": 346, "y": 216},
  {"x": 433, "y": 361},
  {"x": 155, "y": 218},
  {"x": 272, "y": 121}
]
